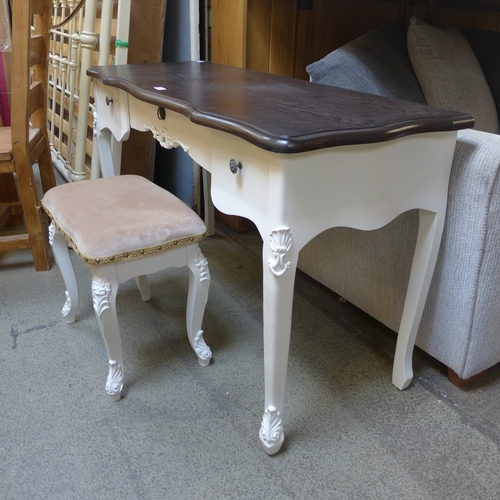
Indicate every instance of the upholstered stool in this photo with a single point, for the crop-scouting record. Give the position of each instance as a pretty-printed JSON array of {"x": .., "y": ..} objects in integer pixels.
[{"x": 124, "y": 227}]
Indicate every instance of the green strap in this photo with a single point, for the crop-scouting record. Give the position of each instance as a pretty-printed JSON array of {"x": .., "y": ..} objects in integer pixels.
[{"x": 120, "y": 43}]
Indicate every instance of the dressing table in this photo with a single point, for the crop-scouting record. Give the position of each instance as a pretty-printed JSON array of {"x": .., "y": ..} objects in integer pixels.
[{"x": 296, "y": 158}]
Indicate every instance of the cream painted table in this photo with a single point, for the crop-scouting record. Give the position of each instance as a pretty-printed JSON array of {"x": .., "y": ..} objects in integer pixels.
[{"x": 296, "y": 158}]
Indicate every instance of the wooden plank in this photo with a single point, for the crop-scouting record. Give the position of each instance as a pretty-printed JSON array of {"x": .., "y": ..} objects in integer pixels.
[
  {"x": 6, "y": 167},
  {"x": 229, "y": 32},
  {"x": 36, "y": 98},
  {"x": 11, "y": 214},
  {"x": 4, "y": 214},
  {"x": 460, "y": 17},
  {"x": 333, "y": 23},
  {"x": 37, "y": 7},
  {"x": 8, "y": 190},
  {"x": 414, "y": 10},
  {"x": 36, "y": 50},
  {"x": 258, "y": 50},
  {"x": 15, "y": 242},
  {"x": 471, "y": 4},
  {"x": 283, "y": 38},
  {"x": 319, "y": 31}
]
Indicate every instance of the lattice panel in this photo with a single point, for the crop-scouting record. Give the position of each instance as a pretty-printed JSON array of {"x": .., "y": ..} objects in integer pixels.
[{"x": 66, "y": 80}]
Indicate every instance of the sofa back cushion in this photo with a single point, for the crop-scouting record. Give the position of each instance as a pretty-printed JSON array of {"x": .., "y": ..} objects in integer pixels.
[
  {"x": 486, "y": 46},
  {"x": 449, "y": 73},
  {"x": 376, "y": 63}
]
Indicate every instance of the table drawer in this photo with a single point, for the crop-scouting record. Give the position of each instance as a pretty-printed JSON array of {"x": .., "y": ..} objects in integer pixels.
[{"x": 112, "y": 110}]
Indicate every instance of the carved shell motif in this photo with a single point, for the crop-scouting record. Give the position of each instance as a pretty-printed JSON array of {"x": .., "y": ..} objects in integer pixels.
[
  {"x": 52, "y": 230},
  {"x": 67, "y": 305},
  {"x": 101, "y": 288},
  {"x": 114, "y": 384},
  {"x": 281, "y": 242},
  {"x": 202, "y": 264},
  {"x": 94, "y": 122},
  {"x": 200, "y": 347},
  {"x": 271, "y": 429}
]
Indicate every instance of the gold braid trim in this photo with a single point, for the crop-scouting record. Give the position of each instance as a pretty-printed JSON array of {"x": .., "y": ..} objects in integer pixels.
[{"x": 121, "y": 257}]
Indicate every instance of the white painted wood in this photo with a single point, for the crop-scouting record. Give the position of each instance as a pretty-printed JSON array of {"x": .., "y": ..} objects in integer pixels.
[
  {"x": 112, "y": 108},
  {"x": 143, "y": 287},
  {"x": 105, "y": 31},
  {"x": 105, "y": 155},
  {"x": 194, "y": 29},
  {"x": 291, "y": 198},
  {"x": 88, "y": 42},
  {"x": 111, "y": 105},
  {"x": 121, "y": 57},
  {"x": 208, "y": 208},
  {"x": 61, "y": 254},
  {"x": 97, "y": 168},
  {"x": 105, "y": 282},
  {"x": 424, "y": 260},
  {"x": 68, "y": 78},
  {"x": 122, "y": 31},
  {"x": 60, "y": 84},
  {"x": 208, "y": 203}
]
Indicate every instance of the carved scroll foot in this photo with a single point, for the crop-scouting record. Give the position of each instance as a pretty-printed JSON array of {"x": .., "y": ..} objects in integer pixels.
[
  {"x": 202, "y": 350},
  {"x": 199, "y": 283},
  {"x": 61, "y": 254},
  {"x": 67, "y": 311},
  {"x": 271, "y": 431},
  {"x": 114, "y": 384}
]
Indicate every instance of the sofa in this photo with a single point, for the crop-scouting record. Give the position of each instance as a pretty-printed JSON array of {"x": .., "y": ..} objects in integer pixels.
[{"x": 451, "y": 69}]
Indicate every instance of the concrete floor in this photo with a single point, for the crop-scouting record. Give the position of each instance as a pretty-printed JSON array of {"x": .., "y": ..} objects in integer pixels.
[{"x": 186, "y": 432}]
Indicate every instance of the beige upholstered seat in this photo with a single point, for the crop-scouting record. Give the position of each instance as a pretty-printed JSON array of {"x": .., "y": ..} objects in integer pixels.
[
  {"x": 124, "y": 227},
  {"x": 120, "y": 218}
]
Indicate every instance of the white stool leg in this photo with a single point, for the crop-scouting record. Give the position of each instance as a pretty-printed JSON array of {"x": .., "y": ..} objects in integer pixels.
[
  {"x": 104, "y": 292},
  {"x": 61, "y": 254},
  {"x": 143, "y": 286},
  {"x": 199, "y": 282}
]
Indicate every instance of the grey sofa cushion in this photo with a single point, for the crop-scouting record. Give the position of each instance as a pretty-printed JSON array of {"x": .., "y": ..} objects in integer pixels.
[
  {"x": 486, "y": 46},
  {"x": 376, "y": 63},
  {"x": 449, "y": 73}
]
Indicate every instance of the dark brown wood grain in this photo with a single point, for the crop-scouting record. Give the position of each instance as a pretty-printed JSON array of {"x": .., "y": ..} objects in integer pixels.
[{"x": 276, "y": 113}]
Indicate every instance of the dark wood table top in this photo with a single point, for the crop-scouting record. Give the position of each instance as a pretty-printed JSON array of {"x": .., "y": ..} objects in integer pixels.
[{"x": 276, "y": 113}]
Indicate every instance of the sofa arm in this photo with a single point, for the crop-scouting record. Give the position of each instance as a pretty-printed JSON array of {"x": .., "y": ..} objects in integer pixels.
[{"x": 461, "y": 321}]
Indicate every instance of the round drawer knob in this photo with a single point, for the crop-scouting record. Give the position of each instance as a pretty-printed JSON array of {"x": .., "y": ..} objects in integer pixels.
[{"x": 234, "y": 166}]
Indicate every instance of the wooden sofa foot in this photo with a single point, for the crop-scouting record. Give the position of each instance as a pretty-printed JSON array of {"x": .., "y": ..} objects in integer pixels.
[{"x": 460, "y": 382}]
